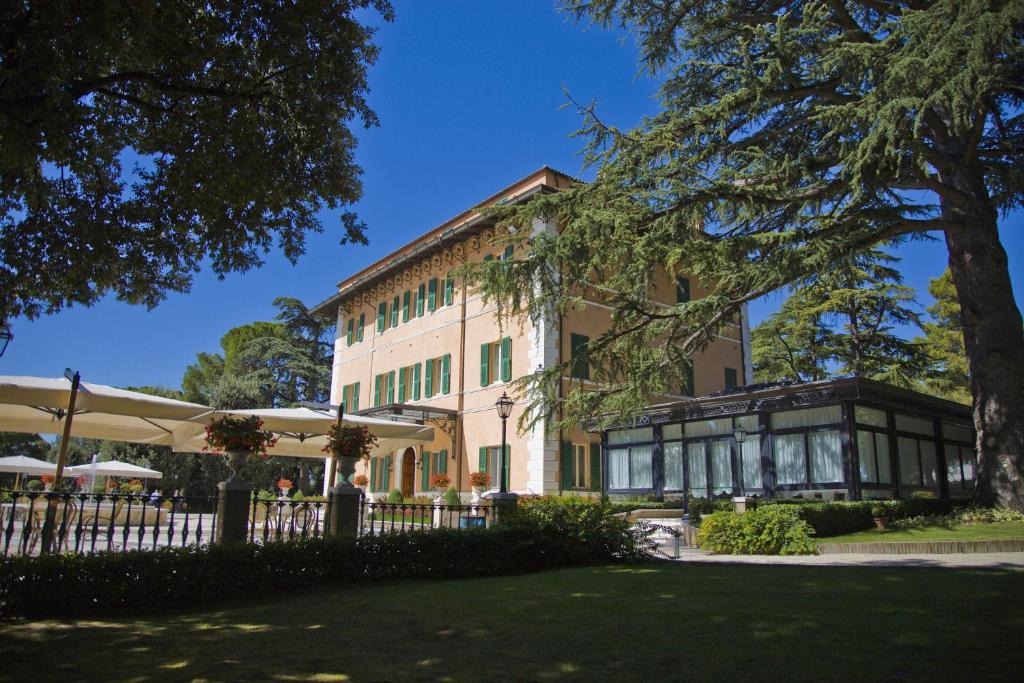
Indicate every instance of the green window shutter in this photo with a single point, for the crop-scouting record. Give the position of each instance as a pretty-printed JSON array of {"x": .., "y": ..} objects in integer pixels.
[
  {"x": 485, "y": 359},
  {"x": 385, "y": 474},
  {"x": 483, "y": 459},
  {"x": 682, "y": 290},
  {"x": 578, "y": 354},
  {"x": 567, "y": 465},
  {"x": 432, "y": 295},
  {"x": 362, "y": 324},
  {"x": 595, "y": 467},
  {"x": 425, "y": 474},
  {"x": 376, "y": 391},
  {"x": 449, "y": 290},
  {"x": 730, "y": 378},
  {"x": 351, "y": 330},
  {"x": 508, "y": 465},
  {"x": 391, "y": 387},
  {"x": 442, "y": 462},
  {"x": 508, "y": 253},
  {"x": 421, "y": 295},
  {"x": 401, "y": 385},
  {"x": 394, "y": 312},
  {"x": 355, "y": 398},
  {"x": 373, "y": 475},
  {"x": 446, "y": 371},
  {"x": 405, "y": 307},
  {"x": 428, "y": 378},
  {"x": 688, "y": 389},
  {"x": 506, "y": 359},
  {"x": 382, "y": 316},
  {"x": 416, "y": 382}
]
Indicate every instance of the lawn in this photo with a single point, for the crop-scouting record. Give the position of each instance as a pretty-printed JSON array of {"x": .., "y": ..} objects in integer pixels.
[
  {"x": 659, "y": 622},
  {"x": 963, "y": 532}
]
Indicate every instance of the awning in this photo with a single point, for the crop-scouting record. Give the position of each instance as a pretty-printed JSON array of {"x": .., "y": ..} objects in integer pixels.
[
  {"x": 113, "y": 468},
  {"x": 25, "y": 465}
]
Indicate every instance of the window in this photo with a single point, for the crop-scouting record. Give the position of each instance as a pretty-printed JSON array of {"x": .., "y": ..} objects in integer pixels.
[
  {"x": 873, "y": 417},
  {"x": 449, "y": 289},
  {"x": 721, "y": 466},
  {"x": 490, "y": 462},
  {"x": 384, "y": 388},
  {"x": 405, "y": 382},
  {"x": 750, "y": 465},
  {"x": 496, "y": 361},
  {"x": 730, "y": 378},
  {"x": 954, "y": 432},
  {"x": 405, "y": 307},
  {"x": 918, "y": 462},
  {"x": 696, "y": 461},
  {"x": 790, "y": 458},
  {"x": 682, "y": 290},
  {"x": 382, "y": 317},
  {"x": 421, "y": 297},
  {"x": 350, "y": 397},
  {"x": 432, "y": 463},
  {"x": 813, "y": 457},
  {"x": 807, "y": 418},
  {"x": 578, "y": 355},
  {"x": 873, "y": 453},
  {"x": 380, "y": 471},
  {"x": 507, "y": 254},
  {"x": 720, "y": 427},
  {"x": 359, "y": 330},
  {"x": 631, "y": 468},
  {"x": 960, "y": 466},
  {"x": 437, "y": 376},
  {"x": 394, "y": 312},
  {"x": 432, "y": 295},
  {"x": 914, "y": 424},
  {"x": 673, "y": 466},
  {"x": 351, "y": 331},
  {"x": 636, "y": 435},
  {"x": 576, "y": 462}
]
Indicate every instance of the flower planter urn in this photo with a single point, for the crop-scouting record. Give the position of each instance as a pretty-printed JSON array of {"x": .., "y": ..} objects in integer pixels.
[
  {"x": 346, "y": 468},
  {"x": 236, "y": 459},
  {"x": 881, "y": 523}
]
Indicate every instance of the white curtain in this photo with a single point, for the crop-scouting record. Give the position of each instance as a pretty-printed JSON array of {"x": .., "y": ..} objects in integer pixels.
[
  {"x": 826, "y": 457},
  {"x": 871, "y": 416},
  {"x": 673, "y": 466},
  {"x": 618, "y": 468},
  {"x": 910, "y": 468},
  {"x": 721, "y": 466},
  {"x": 638, "y": 435},
  {"x": 929, "y": 463},
  {"x": 953, "y": 464},
  {"x": 698, "y": 466},
  {"x": 640, "y": 471},
  {"x": 718, "y": 427},
  {"x": 866, "y": 453},
  {"x": 750, "y": 455},
  {"x": 790, "y": 465},
  {"x": 884, "y": 461},
  {"x": 807, "y": 417},
  {"x": 914, "y": 425}
]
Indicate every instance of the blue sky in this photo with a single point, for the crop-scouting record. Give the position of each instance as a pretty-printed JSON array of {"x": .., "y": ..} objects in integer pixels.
[{"x": 469, "y": 96}]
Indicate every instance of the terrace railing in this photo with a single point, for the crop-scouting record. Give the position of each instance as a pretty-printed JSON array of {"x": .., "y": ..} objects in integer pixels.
[
  {"x": 32, "y": 522},
  {"x": 279, "y": 520},
  {"x": 381, "y": 518}
]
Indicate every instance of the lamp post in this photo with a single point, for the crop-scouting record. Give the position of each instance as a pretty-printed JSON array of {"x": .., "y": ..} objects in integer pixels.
[
  {"x": 504, "y": 500},
  {"x": 5, "y": 336}
]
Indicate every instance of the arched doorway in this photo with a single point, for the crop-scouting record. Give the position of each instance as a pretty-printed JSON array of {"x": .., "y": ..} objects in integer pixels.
[{"x": 408, "y": 472}]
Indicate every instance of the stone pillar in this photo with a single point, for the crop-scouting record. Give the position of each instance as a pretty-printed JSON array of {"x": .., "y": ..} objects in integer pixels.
[
  {"x": 346, "y": 507},
  {"x": 234, "y": 498},
  {"x": 504, "y": 504}
]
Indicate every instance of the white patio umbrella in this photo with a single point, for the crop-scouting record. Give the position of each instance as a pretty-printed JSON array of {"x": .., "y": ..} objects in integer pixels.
[
  {"x": 114, "y": 468},
  {"x": 22, "y": 464}
]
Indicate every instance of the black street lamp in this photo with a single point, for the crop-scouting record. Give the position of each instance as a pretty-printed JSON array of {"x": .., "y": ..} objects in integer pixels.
[
  {"x": 504, "y": 406},
  {"x": 5, "y": 336}
]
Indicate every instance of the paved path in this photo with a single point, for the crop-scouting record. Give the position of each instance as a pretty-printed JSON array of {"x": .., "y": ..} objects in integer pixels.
[{"x": 987, "y": 560}]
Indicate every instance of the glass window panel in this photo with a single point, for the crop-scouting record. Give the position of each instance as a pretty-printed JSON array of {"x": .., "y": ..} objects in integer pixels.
[
  {"x": 866, "y": 453},
  {"x": 721, "y": 466},
  {"x": 709, "y": 427},
  {"x": 673, "y": 466},
  {"x": 640, "y": 470},
  {"x": 790, "y": 465},
  {"x": 954, "y": 432},
  {"x": 807, "y": 418},
  {"x": 882, "y": 457},
  {"x": 870, "y": 416},
  {"x": 639, "y": 435},
  {"x": 967, "y": 458},
  {"x": 618, "y": 468},
  {"x": 672, "y": 432},
  {"x": 750, "y": 455},
  {"x": 953, "y": 475},
  {"x": 826, "y": 457},
  {"x": 910, "y": 468},
  {"x": 698, "y": 466},
  {"x": 929, "y": 462},
  {"x": 914, "y": 425},
  {"x": 748, "y": 423}
]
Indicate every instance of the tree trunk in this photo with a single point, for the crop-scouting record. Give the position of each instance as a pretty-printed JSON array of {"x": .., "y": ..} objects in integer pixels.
[{"x": 994, "y": 343}]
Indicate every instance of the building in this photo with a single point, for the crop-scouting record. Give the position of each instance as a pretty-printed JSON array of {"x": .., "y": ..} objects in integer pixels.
[
  {"x": 414, "y": 343},
  {"x": 837, "y": 439}
]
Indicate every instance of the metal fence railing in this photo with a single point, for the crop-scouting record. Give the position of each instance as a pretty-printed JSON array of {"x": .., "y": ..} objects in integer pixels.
[
  {"x": 279, "y": 520},
  {"x": 381, "y": 518},
  {"x": 32, "y": 522}
]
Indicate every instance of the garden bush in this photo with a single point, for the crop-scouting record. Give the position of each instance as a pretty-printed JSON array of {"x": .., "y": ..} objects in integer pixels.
[
  {"x": 396, "y": 497},
  {"x": 847, "y": 517},
  {"x": 451, "y": 497},
  {"x": 766, "y": 530}
]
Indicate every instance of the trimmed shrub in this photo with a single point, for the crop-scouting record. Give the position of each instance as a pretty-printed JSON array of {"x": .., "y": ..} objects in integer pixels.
[
  {"x": 451, "y": 497},
  {"x": 847, "y": 517},
  {"x": 396, "y": 497},
  {"x": 766, "y": 530}
]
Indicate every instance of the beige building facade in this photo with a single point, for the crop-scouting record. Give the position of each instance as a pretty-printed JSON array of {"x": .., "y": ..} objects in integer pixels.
[{"x": 414, "y": 343}]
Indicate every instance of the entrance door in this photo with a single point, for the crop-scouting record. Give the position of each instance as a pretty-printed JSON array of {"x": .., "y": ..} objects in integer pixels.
[{"x": 408, "y": 472}]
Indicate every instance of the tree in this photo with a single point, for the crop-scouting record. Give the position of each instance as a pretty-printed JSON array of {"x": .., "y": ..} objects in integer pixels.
[
  {"x": 944, "y": 341},
  {"x": 28, "y": 445},
  {"x": 141, "y": 140},
  {"x": 792, "y": 135},
  {"x": 841, "y": 323}
]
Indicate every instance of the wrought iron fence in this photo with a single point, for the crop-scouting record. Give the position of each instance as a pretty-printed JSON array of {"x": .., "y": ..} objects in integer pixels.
[
  {"x": 279, "y": 520},
  {"x": 32, "y": 522},
  {"x": 381, "y": 518}
]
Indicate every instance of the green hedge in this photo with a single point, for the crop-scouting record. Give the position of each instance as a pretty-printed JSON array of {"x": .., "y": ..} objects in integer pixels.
[
  {"x": 847, "y": 517},
  {"x": 766, "y": 530}
]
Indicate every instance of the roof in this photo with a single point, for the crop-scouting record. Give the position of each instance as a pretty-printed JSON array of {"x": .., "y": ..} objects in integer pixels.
[{"x": 528, "y": 185}]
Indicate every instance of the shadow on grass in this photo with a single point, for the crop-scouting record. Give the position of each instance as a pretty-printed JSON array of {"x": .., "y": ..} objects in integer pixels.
[{"x": 642, "y": 622}]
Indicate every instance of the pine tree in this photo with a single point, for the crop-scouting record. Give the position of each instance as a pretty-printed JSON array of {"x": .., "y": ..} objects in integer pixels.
[
  {"x": 792, "y": 135},
  {"x": 944, "y": 342}
]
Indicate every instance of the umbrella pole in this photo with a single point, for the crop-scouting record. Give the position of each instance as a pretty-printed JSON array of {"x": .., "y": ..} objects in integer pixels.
[
  {"x": 51, "y": 508},
  {"x": 333, "y": 476}
]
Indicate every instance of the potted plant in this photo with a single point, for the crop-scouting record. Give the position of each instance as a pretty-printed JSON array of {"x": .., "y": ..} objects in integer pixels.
[
  {"x": 349, "y": 443},
  {"x": 479, "y": 481},
  {"x": 285, "y": 485},
  {"x": 440, "y": 482},
  {"x": 881, "y": 516},
  {"x": 361, "y": 480},
  {"x": 239, "y": 437}
]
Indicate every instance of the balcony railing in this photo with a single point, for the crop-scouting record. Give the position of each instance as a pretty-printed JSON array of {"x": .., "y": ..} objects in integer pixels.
[{"x": 381, "y": 518}]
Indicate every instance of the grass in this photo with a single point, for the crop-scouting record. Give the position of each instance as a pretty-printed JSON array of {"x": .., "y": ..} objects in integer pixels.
[
  {"x": 962, "y": 532},
  {"x": 657, "y": 622}
]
